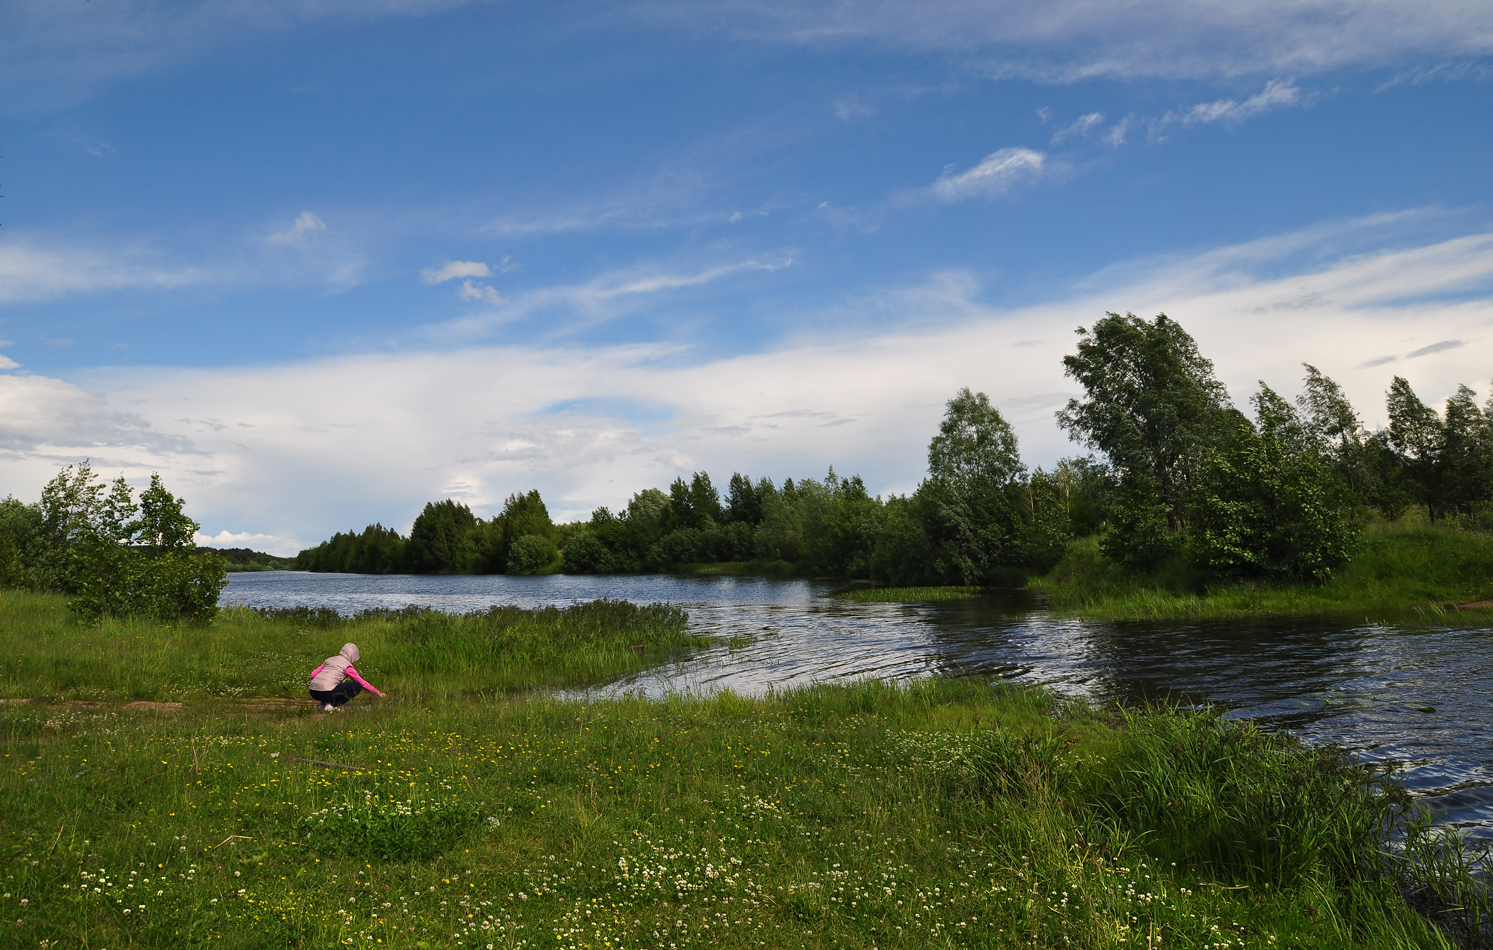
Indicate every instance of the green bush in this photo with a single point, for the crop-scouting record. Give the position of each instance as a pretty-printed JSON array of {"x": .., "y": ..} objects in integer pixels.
[
  {"x": 124, "y": 582},
  {"x": 531, "y": 554}
]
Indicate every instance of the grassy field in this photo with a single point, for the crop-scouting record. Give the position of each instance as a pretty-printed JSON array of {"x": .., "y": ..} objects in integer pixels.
[
  {"x": 946, "y": 813},
  {"x": 1404, "y": 566}
]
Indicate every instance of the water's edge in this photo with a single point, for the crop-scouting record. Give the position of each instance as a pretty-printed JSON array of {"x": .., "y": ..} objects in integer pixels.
[{"x": 1364, "y": 686}]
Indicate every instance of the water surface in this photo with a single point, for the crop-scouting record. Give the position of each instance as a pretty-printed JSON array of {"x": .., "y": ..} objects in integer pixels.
[{"x": 1365, "y": 686}]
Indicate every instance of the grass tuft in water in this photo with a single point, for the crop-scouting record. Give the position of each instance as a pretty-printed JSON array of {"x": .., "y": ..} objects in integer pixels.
[{"x": 908, "y": 595}]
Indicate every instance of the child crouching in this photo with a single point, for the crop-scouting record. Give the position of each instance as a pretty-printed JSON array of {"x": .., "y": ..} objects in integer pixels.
[{"x": 335, "y": 681}]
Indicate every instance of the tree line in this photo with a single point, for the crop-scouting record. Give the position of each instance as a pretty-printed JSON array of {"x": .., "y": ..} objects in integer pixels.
[{"x": 1178, "y": 475}]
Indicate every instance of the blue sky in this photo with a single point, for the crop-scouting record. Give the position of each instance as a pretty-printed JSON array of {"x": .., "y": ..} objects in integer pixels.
[{"x": 318, "y": 263}]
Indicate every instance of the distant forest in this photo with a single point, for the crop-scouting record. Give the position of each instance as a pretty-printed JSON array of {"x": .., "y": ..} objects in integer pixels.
[
  {"x": 1177, "y": 475},
  {"x": 244, "y": 559}
]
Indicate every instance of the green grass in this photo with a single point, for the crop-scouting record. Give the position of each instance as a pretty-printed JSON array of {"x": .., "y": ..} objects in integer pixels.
[
  {"x": 1399, "y": 567},
  {"x": 46, "y": 654},
  {"x": 907, "y": 595},
  {"x": 945, "y": 813}
]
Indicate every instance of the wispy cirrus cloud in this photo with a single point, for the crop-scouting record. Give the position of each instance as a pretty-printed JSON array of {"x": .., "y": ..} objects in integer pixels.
[
  {"x": 473, "y": 292},
  {"x": 993, "y": 177},
  {"x": 1277, "y": 94},
  {"x": 55, "y": 54},
  {"x": 31, "y": 271},
  {"x": 454, "y": 269},
  {"x": 1080, "y": 126},
  {"x": 304, "y": 226},
  {"x": 1069, "y": 40},
  {"x": 604, "y": 297}
]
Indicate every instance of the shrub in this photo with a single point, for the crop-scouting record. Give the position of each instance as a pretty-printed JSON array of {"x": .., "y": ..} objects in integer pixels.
[{"x": 531, "y": 554}]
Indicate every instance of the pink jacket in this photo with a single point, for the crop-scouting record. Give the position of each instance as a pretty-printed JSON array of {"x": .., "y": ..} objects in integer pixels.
[{"x": 337, "y": 668}]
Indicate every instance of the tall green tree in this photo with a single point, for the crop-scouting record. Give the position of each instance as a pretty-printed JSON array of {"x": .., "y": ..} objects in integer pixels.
[
  {"x": 966, "y": 504},
  {"x": 1266, "y": 504},
  {"x": 1447, "y": 458},
  {"x": 436, "y": 537},
  {"x": 974, "y": 445},
  {"x": 525, "y": 515},
  {"x": 1152, "y": 406}
]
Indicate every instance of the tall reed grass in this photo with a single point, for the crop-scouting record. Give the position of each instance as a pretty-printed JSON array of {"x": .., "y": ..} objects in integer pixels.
[{"x": 48, "y": 654}]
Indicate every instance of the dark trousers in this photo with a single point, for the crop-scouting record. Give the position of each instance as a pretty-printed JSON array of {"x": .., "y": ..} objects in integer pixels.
[{"x": 339, "y": 694}]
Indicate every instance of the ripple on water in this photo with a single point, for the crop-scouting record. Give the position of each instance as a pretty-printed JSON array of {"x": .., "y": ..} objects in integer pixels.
[{"x": 1413, "y": 694}]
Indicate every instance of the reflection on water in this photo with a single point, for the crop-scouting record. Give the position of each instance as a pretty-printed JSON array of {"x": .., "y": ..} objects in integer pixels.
[{"x": 1414, "y": 694}]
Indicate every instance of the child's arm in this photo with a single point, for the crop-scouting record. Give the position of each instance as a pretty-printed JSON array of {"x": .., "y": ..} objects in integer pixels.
[
  {"x": 362, "y": 682},
  {"x": 317, "y": 671}
]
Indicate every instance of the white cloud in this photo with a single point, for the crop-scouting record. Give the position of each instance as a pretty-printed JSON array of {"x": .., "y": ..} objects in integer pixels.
[
  {"x": 852, "y": 108},
  {"x": 479, "y": 293},
  {"x": 268, "y": 543},
  {"x": 57, "y": 53},
  {"x": 304, "y": 226},
  {"x": 53, "y": 54},
  {"x": 40, "y": 414},
  {"x": 1079, "y": 127},
  {"x": 8, "y": 363},
  {"x": 454, "y": 269},
  {"x": 302, "y": 450},
  {"x": 602, "y": 298},
  {"x": 1118, "y": 132},
  {"x": 1277, "y": 94},
  {"x": 993, "y": 177},
  {"x": 1069, "y": 40},
  {"x": 30, "y": 272}
]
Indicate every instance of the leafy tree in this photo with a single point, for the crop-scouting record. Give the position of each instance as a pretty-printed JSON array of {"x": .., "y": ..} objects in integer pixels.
[
  {"x": 974, "y": 444},
  {"x": 378, "y": 550},
  {"x": 436, "y": 537},
  {"x": 695, "y": 505},
  {"x": 1447, "y": 459},
  {"x": 1151, "y": 405},
  {"x": 584, "y": 553},
  {"x": 1045, "y": 502},
  {"x": 968, "y": 512},
  {"x": 1467, "y": 453},
  {"x": 531, "y": 554},
  {"x": 744, "y": 500},
  {"x": 903, "y": 554},
  {"x": 20, "y": 535},
  {"x": 1336, "y": 432},
  {"x": 1266, "y": 505},
  {"x": 115, "y": 557},
  {"x": 1087, "y": 488},
  {"x": 162, "y": 525}
]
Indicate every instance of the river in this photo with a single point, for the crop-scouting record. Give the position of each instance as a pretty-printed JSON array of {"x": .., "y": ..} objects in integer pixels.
[{"x": 1420, "y": 694}]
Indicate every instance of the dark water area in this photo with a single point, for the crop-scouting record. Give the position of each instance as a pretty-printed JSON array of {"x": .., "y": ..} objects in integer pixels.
[{"x": 1418, "y": 694}]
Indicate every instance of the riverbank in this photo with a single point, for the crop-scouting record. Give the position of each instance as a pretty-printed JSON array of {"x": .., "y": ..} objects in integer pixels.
[
  {"x": 954, "y": 812},
  {"x": 1399, "y": 567}
]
